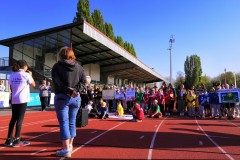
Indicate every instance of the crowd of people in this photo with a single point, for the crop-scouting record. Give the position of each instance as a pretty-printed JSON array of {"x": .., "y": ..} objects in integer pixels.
[
  {"x": 167, "y": 100},
  {"x": 69, "y": 82}
]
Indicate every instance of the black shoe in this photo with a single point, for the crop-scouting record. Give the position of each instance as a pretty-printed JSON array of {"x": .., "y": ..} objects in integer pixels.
[
  {"x": 9, "y": 142},
  {"x": 16, "y": 142}
]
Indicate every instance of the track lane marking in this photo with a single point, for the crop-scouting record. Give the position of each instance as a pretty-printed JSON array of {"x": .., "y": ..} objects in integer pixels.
[
  {"x": 93, "y": 131},
  {"x": 200, "y": 143},
  {"x": 220, "y": 148},
  {"x": 153, "y": 139},
  {"x": 141, "y": 137},
  {"x": 94, "y": 138},
  {"x": 42, "y": 150},
  {"x": 29, "y": 124}
]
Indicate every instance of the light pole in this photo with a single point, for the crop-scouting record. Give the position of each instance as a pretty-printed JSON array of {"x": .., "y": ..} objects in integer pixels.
[{"x": 171, "y": 41}]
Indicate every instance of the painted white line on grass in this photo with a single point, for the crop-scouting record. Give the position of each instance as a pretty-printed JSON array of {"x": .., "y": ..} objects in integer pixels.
[
  {"x": 94, "y": 139},
  {"x": 200, "y": 143},
  {"x": 153, "y": 139},
  {"x": 141, "y": 137},
  {"x": 42, "y": 150},
  {"x": 93, "y": 131},
  {"x": 220, "y": 148}
]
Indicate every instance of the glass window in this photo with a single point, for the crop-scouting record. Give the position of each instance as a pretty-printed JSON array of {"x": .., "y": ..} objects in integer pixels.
[
  {"x": 17, "y": 55},
  {"x": 28, "y": 48},
  {"x": 18, "y": 46}
]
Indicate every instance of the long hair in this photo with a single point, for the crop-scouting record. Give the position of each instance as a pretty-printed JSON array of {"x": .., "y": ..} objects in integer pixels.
[{"x": 66, "y": 53}]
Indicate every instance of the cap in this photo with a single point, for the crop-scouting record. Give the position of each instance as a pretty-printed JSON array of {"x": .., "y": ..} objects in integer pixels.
[{"x": 22, "y": 63}]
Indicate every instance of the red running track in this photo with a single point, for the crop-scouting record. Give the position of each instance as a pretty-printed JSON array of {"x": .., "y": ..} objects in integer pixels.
[{"x": 165, "y": 138}]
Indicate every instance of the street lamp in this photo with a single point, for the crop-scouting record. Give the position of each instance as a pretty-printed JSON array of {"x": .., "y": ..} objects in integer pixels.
[{"x": 171, "y": 41}]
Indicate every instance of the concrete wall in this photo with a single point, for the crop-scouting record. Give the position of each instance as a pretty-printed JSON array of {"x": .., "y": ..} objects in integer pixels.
[{"x": 92, "y": 70}]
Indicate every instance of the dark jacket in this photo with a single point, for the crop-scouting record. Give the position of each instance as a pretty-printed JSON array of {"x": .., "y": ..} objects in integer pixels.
[{"x": 67, "y": 74}]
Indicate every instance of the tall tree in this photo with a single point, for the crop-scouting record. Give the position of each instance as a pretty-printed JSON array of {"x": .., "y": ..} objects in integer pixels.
[
  {"x": 83, "y": 11},
  {"x": 109, "y": 30},
  {"x": 119, "y": 40},
  {"x": 98, "y": 21},
  {"x": 193, "y": 70},
  {"x": 180, "y": 79}
]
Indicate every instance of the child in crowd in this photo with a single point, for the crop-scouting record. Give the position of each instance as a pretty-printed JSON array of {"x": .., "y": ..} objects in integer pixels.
[
  {"x": 103, "y": 109},
  {"x": 202, "y": 100},
  {"x": 154, "y": 111},
  {"x": 120, "y": 111},
  {"x": 191, "y": 102},
  {"x": 137, "y": 113},
  {"x": 92, "y": 111}
]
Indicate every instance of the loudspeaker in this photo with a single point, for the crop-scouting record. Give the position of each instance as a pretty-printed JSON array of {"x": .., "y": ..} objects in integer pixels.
[{"x": 82, "y": 117}]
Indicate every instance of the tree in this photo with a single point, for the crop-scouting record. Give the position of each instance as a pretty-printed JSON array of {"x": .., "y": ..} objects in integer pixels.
[
  {"x": 83, "y": 11},
  {"x": 109, "y": 30},
  {"x": 180, "y": 79},
  {"x": 119, "y": 40},
  {"x": 193, "y": 70},
  {"x": 98, "y": 21}
]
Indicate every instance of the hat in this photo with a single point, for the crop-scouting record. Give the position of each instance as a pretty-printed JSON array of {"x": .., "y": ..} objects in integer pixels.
[{"x": 22, "y": 63}]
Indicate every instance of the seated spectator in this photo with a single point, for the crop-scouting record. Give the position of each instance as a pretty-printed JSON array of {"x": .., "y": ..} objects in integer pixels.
[
  {"x": 154, "y": 111},
  {"x": 103, "y": 109},
  {"x": 120, "y": 111},
  {"x": 92, "y": 111},
  {"x": 137, "y": 113}
]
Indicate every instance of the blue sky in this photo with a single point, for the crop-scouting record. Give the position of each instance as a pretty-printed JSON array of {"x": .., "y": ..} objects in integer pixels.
[{"x": 208, "y": 28}]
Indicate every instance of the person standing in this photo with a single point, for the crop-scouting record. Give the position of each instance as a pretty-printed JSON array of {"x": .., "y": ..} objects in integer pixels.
[
  {"x": 19, "y": 80},
  {"x": 43, "y": 94},
  {"x": 2, "y": 87},
  {"x": 181, "y": 99},
  {"x": 68, "y": 76},
  {"x": 49, "y": 88}
]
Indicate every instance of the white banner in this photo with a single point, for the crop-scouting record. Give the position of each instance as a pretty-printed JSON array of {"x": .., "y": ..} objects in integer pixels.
[
  {"x": 4, "y": 99},
  {"x": 108, "y": 94}
]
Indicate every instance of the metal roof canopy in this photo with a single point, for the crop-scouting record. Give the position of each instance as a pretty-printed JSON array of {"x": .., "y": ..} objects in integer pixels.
[{"x": 92, "y": 46}]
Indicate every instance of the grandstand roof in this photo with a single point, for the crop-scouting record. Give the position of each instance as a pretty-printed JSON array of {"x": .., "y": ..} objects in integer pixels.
[{"x": 92, "y": 46}]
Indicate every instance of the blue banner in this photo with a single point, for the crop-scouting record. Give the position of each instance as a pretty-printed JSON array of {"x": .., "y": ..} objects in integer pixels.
[{"x": 34, "y": 100}]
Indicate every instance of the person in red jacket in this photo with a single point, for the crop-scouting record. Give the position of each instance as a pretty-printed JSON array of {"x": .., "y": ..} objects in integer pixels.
[{"x": 137, "y": 113}]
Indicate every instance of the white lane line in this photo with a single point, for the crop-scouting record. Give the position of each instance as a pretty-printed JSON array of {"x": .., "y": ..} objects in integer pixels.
[
  {"x": 155, "y": 126},
  {"x": 93, "y": 131},
  {"x": 38, "y": 151},
  {"x": 220, "y": 148},
  {"x": 235, "y": 125},
  {"x": 94, "y": 138},
  {"x": 141, "y": 137},
  {"x": 30, "y": 124},
  {"x": 153, "y": 140},
  {"x": 200, "y": 143},
  {"x": 219, "y": 137},
  {"x": 41, "y": 135}
]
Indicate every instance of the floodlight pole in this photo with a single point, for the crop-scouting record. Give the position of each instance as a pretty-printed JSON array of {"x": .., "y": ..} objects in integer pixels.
[{"x": 171, "y": 41}]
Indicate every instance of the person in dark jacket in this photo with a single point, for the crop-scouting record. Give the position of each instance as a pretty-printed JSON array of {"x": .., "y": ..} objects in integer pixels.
[{"x": 67, "y": 76}]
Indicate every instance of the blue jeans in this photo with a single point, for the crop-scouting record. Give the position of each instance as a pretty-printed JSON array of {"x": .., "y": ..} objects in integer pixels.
[{"x": 67, "y": 108}]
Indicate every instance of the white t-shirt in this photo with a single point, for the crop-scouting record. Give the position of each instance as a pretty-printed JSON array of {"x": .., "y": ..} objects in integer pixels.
[
  {"x": 19, "y": 82},
  {"x": 89, "y": 107},
  {"x": 2, "y": 88}
]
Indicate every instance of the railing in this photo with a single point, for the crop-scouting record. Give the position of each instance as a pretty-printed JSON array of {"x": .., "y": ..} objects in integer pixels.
[{"x": 4, "y": 61}]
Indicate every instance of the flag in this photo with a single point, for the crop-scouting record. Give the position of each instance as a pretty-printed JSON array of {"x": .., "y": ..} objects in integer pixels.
[{"x": 235, "y": 80}]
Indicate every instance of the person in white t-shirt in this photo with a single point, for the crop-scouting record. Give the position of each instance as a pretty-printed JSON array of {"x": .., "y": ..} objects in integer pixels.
[
  {"x": 19, "y": 80},
  {"x": 2, "y": 87}
]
